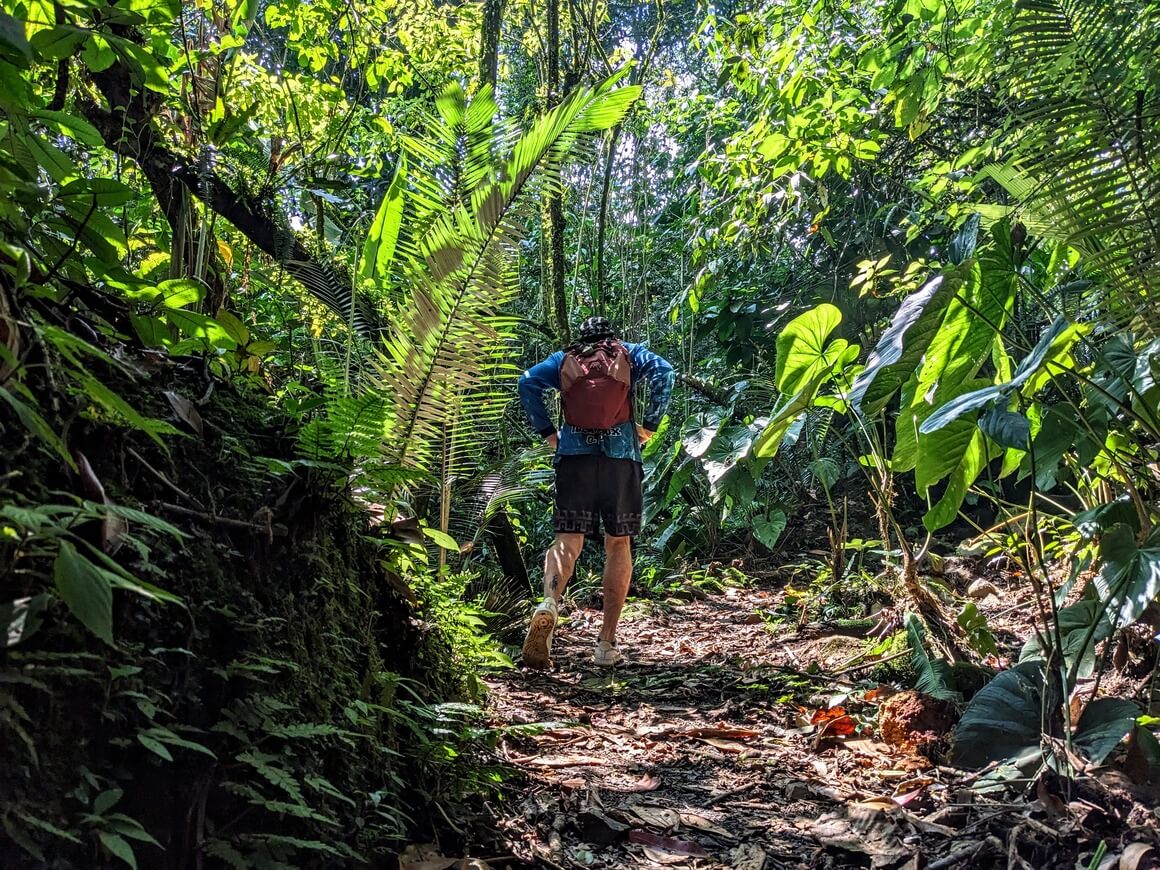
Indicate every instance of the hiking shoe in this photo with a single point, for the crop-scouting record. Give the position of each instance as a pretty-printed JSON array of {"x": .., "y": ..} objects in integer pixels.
[
  {"x": 607, "y": 655},
  {"x": 538, "y": 643}
]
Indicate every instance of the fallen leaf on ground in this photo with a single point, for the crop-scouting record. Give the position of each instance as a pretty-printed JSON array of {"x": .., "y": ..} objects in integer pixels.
[
  {"x": 748, "y": 857},
  {"x": 597, "y": 828},
  {"x": 427, "y": 857},
  {"x": 696, "y": 820},
  {"x": 648, "y": 782},
  {"x": 1137, "y": 856},
  {"x": 560, "y": 761},
  {"x": 881, "y": 802},
  {"x": 658, "y": 817},
  {"x": 863, "y": 830},
  {"x": 724, "y": 732},
  {"x": 658, "y": 856},
  {"x": 835, "y": 722},
  {"x": 668, "y": 844},
  {"x": 730, "y": 746}
]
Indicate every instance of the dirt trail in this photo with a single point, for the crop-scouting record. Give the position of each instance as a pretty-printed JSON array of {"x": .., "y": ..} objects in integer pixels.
[
  {"x": 694, "y": 754},
  {"x": 720, "y": 745}
]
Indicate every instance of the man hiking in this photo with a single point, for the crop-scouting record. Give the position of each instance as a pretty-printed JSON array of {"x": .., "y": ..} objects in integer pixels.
[{"x": 598, "y": 468}]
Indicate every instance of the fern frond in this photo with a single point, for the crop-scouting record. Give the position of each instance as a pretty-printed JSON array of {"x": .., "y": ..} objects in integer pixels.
[
  {"x": 1086, "y": 161},
  {"x": 441, "y": 361}
]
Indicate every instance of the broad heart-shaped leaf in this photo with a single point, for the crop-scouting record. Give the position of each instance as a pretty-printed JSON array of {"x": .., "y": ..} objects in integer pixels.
[
  {"x": 1002, "y": 722},
  {"x": 698, "y": 433},
  {"x": 379, "y": 248},
  {"x": 1081, "y": 626},
  {"x": 1102, "y": 725},
  {"x": 964, "y": 241},
  {"x": 1057, "y": 340},
  {"x": 971, "y": 462},
  {"x": 768, "y": 528},
  {"x": 902, "y": 345},
  {"x": 1006, "y": 428},
  {"x": 801, "y": 346},
  {"x": 729, "y": 447},
  {"x": 1130, "y": 577},
  {"x": 735, "y": 484},
  {"x": 836, "y": 357},
  {"x": 86, "y": 590}
]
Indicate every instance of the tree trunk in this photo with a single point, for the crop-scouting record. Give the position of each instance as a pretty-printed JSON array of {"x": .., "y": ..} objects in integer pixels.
[
  {"x": 489, "y": 35},
  {"x": 602, "y": 219},
  {"x": 556, "y": 301}
]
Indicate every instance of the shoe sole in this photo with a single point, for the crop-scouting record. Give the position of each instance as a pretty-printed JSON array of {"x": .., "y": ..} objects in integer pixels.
[{"x": 536, "y": 643}]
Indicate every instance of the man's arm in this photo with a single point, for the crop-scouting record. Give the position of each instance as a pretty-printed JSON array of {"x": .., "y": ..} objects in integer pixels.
[
  {"x": 533, "y": 384},
  {"x": 660, "y": 376}
]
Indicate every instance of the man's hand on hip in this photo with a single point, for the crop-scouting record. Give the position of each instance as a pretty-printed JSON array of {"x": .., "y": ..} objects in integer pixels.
[
  {"x": 553, "y": 440},
  {"x": 643, "y": 434}
]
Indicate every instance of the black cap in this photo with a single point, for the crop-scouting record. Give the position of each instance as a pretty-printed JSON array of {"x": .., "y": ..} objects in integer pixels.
[{"x": 596, "y": 328}]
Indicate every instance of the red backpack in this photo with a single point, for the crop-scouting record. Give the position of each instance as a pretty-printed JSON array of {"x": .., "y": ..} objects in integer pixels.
[{"x": 595, "y": 382}]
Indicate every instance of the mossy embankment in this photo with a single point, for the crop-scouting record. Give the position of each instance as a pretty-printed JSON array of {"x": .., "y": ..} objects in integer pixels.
[{"x": 281, "y": 715}]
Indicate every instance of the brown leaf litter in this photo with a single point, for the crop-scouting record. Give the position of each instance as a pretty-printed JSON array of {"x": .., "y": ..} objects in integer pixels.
[{"x": 714, "y": 748}]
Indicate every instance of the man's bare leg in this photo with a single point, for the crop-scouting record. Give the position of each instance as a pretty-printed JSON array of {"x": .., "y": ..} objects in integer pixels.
[
  {"x": 559, "y": 563},
  {"x": 617, "y": 577}
]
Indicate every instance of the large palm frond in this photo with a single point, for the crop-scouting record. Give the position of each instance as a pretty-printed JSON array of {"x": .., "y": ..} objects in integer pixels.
[
  {"x": 1084, "y": 87},
  {"x": 449, "y": 341}
]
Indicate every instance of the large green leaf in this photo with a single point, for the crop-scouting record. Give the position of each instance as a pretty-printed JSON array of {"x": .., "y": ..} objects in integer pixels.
[
  {"x": 379, "y": 248},
  {"x": 1079, "y": 627},
  {"x": 1054, "y": 342},
  {"x": 1102, "y": 725},
  {"x": 1006, "y": 428},
  {"x": 1002, "y": 722},
  {"x": 86, "y": 589},
  {"x": 971, "y": 462},
  {"x": 967, "y": 335},
  {"x": 792, "y": 407},
  {"x": 698, "y": 433},
  {"x": 902, "y": 345},
  {"x": 767, "y": 528},
  {"x": 1130, "y": 576},
  {"x": 731, "y": 444},
  {"x": 801, "y": 346},
  {"x": 938, "y": 454}
]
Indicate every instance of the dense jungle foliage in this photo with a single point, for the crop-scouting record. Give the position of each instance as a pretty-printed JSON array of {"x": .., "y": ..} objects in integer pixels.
[{"x": 269, "y": 270}]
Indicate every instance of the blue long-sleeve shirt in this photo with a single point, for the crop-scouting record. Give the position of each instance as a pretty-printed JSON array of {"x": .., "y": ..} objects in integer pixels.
[{"x": 620, "y": 442}]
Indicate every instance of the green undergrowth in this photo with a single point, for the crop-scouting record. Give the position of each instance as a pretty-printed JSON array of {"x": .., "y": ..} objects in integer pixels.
[{"x": 293, "y": 708}]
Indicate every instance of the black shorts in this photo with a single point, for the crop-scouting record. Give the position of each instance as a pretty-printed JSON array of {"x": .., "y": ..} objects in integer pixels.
[{"x": 595, "y": 488}]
